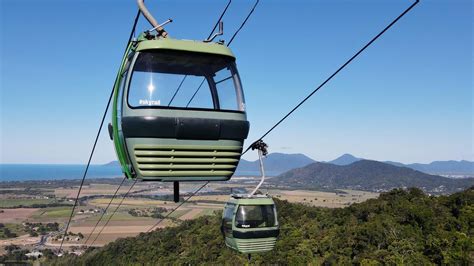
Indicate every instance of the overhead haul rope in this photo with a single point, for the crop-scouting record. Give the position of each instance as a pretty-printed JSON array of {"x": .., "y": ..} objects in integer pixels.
[
  {"x": 174, "y": 95},
  {"x": 243, "y": 23},
  {"x": 95, "y": 142},
  {"x": 335, "y": 73},
  {"x": 322, "y": 84},
  {"x": 116, "y": 208},
  {"x": 210, "y": 34},
  {"x": 105, "y": 211},
  {"x": 184, "y": 201},
  {"x": 231, "y": 40},
  {"x": 205, "y": 184},
  {"x": 217, "y": 23},
  {"x": 220, "y": 18}
]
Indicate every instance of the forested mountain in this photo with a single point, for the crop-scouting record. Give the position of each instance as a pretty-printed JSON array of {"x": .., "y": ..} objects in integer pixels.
[
  {"x": 278, "y": 163},
  {"x": 445, "y": 167},
  {"x": 345, "y": 159},
  {"x": 437, "y": 167},
  {"x": 367, "y": 175},
  {"x": 400, "y": 227},
  {"x": 275, "y": 164}
]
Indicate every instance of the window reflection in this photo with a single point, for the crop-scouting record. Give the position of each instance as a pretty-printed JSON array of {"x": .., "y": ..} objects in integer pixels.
[
  {"x": 185, "y": 80},
  {"x": 255, "y": 216}
]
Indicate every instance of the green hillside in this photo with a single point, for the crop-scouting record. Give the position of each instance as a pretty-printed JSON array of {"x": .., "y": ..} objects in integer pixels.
[
  {"x": 368, "y": 175},
  {"x": 401, "y": 227}
]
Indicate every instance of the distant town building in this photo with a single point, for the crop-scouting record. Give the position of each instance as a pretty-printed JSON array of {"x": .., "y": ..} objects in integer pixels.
[{"x": 34, "y": 254}]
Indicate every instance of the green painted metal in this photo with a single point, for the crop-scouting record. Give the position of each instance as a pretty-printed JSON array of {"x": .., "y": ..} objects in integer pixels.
[
  {"x": 184, "y": 160},
  {"x": 118, "y": 141},
  {"x": 155, "y": 159},
  {"x": 255, "y": 245},
  {"x": 257, "y": 200},
  {"x": 184, "y": 45},
  {"x": 252, "y": 245}
]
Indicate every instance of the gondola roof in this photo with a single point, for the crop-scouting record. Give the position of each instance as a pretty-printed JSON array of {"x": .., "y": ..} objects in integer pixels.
[
  {"x": 251, "y": 200},
  {"x": 184, "y": 45}
]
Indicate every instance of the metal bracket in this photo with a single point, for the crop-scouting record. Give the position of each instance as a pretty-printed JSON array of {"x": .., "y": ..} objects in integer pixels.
[
  {"x": 221, "y": 32},
  {"x": 160, "y": 26}
]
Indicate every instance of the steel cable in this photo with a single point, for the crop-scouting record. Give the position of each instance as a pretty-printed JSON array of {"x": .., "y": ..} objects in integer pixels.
[
  {"x": 335, "y": 73},
  {"x": 184, "y": 201},
  {"x": 105, "y": 211},
  {"x": 210, "y": 34},
  {"x": 116, "y": 208},
  {"x": 199, "y": 189},
  {"x": 95, "y": 142}
]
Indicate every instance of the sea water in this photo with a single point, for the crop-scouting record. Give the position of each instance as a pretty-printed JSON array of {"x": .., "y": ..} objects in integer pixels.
[{"x": 22, "y": 172}]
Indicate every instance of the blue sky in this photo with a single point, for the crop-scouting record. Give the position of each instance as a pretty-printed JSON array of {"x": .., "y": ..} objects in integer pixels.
[{"x": 408, "y": 98}]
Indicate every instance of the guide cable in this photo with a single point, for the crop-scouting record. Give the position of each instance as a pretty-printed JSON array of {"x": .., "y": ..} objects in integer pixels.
[
  {"x": 231, "y": 40},
  {"x": 105, "y": 211},
  {"x": 235, "y": 34},
  {"x": 321, "y": 85},
  {"x": 195, "y": 192},
  {"x": 112, "y": 215},
  {"x": 184, "y": 201},
  {"x": 210, "y": 34},
  {"x": 95, "y": 142},
  {"x": 335, "y": 73}
]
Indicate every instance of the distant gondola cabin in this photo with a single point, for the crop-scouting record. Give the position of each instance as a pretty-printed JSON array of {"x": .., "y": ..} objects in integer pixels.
[{"x": 249, "y": 223}]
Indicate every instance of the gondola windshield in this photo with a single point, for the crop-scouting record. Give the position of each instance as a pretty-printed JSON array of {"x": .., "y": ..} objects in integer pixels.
[
  {"x": 255, "y": 216},
  {"x": 167, "y": 79}
]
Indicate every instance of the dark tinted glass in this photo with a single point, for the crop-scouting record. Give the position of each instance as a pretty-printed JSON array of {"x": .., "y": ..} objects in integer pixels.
[{"x": 255, "y": 216}]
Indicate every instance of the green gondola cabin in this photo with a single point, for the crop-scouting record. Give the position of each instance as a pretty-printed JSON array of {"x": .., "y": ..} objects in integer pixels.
[
  {"x": 178, "y": 111},
  {"x": 250, "y": 224}
]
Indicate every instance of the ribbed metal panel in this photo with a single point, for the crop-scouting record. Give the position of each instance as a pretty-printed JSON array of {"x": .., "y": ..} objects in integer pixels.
[
  {"x": 189, "y": 160},
  {"x": 255, "y": 245}
]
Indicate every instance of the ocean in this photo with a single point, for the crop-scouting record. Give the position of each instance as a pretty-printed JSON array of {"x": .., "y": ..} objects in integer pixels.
[{"x": 23, "y": 172}]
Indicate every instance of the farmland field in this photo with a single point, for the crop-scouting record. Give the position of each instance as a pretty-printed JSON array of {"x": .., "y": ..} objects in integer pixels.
[
  {"x": 9, "y": 203},
  {"x": 17, "y": 215},
  {"x": 13, "y": 228},
  {"x": 53, "y": 212},
  {"x": 144, "y": 200}
]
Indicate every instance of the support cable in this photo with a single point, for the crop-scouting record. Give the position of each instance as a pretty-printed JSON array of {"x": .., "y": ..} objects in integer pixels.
[
  {"x": 177, "y": 90},
  {"x": 210, "y": 34},
  {"x": 335, "y": 73},
  {"x": 243, "y": 23},
  {"x": 181, "y": 83},
  {"x": 95, "y": 142},
  {"x": 105, "y": 211},
  {"x": 200, "y": 188},
  {"x": 184, "y": 201},
  {"x": 219, "y": 20},
  {"x": 116, "y": 208},
  {"x": 194, "y": 94},
  {"x": 231, "y": 40}
]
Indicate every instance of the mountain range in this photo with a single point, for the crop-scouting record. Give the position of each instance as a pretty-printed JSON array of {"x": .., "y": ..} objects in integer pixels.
[
  {"x": 298, "y": 171},
  {"x": 278, "y": 163},
  {"x": 368, "y": 175},
  {"x": 275, "y": 164},
  {"x": 437, "y": 167}
]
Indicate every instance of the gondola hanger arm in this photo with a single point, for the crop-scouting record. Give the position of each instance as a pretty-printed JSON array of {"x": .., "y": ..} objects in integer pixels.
[
  {"x": 161, "y": 31},
  {"x": 261, "y": 147}
]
